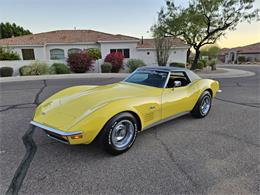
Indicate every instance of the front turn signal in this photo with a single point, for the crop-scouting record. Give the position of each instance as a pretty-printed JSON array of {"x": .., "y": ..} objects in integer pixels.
[{"x": 79, "y": 136}]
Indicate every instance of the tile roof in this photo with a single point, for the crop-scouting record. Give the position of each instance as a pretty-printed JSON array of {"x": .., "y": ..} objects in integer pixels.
[
  {"x": 149, "y": 43},
  {"x": 247, "y": 49},
  {"x": 253, "y": 48},
  {"x": 65, "y": 36}
]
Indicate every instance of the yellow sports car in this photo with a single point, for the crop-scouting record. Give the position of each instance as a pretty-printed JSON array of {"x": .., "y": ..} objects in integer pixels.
[{"x": 114, "y": 113}]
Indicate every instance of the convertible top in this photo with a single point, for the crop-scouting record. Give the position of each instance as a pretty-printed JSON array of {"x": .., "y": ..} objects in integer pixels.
[
  {"x": 192, "y": 76},
  {"x": 162, "y": 68}
]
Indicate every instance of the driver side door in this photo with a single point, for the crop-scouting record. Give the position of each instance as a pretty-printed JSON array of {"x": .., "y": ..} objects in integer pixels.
[{"x": 176, "y": 100}]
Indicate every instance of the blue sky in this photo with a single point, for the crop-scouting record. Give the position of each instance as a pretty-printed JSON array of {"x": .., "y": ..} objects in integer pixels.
[{"x": 130, "y": 17}]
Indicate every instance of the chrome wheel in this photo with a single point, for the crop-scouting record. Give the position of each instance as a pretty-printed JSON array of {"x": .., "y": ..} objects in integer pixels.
[
  {"x": 122, "y": 133},
  {"x": 205, "y": 105}
]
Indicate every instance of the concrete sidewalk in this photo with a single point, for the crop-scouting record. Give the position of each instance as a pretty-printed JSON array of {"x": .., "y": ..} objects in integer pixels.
[{"x": 227, "y": 73}]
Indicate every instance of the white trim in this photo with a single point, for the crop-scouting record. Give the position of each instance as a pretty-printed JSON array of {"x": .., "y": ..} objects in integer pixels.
[
  {"x": 152, "y": 48},
  {"x": 120, "y": 41},
  {"x": 42, "y": 45},
  {"x": 73, "y": 43},
  {"x": 23, "y": 45}
]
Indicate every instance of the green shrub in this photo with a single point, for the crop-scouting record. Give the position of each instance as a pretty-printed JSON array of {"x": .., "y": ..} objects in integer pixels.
[
  {"x": 25, "y": 70},
  {"x": 241, "y": 59},
  {"x": 7, "y": 53},
  {"x": 35, "y": 68},
  {"x": 39, "y": 68},
  {"x": 204, "y": 62},
  {"x": 176, "y": 64},
  {"x": 200, "y": 64},
  {"x": 106, "y": 67},
  {"x": 94, "y": 53},
  {"x": 212, "y": 64},
  {"x": 6, "y": 71},
  {"x": 133, "y": 64},
  {"x": 59, "y": 68}
]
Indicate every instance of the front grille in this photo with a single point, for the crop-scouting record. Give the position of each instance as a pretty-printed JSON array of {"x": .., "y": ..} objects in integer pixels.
[{"x": 56, "y": 137}]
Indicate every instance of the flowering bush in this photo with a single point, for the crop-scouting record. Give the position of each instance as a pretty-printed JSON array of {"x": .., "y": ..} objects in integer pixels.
[
  {"x": 79, "y": 62},
  {"x": 116, "y": 59}
]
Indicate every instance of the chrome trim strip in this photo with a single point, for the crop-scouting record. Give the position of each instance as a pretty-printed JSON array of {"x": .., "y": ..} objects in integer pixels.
[
  {"x": 165, "y": 120},
  {"x": 57, "y": 139},
  {"x": 219, "y": 91},
  {"x": 167, "y": 80},
  {"x": 55, "y": 130}
]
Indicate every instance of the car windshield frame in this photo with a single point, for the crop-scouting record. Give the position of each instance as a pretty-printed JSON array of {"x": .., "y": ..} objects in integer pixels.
[{"x": 162, "y": 85}]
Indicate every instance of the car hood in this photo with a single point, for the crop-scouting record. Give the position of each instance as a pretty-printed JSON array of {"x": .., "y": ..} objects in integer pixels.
[{"x": 65, "y": 111}]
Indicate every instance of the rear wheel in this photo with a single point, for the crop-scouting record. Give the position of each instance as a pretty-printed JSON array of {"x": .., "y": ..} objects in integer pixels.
[
  {"x": 203, "y": 105},
  {"x": 119, "y": 133}
]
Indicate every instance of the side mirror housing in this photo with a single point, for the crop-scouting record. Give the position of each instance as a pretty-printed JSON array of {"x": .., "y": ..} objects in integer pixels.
[{"x": 177, "y": 83}]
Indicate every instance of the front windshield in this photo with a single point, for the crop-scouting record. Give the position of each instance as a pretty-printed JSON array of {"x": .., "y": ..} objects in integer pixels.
[{"x": 152, "y": 78}]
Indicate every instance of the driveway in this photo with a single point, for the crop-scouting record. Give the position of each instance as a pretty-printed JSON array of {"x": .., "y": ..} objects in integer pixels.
[{"x": 218, "y": 154}]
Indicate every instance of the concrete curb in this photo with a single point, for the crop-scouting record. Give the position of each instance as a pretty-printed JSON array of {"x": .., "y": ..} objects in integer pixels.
[
  {"x": 229, "y": 73},
  {"x": 238, "y": 65}
]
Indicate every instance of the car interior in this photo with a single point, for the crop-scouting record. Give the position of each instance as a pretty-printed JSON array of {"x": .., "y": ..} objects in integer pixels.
[
  {"x": 155, "y": 80},
  {"x": 178, "y": 76}
]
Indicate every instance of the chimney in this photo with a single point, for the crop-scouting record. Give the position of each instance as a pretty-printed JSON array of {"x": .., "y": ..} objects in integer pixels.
[{"x": 142, "y": 40}]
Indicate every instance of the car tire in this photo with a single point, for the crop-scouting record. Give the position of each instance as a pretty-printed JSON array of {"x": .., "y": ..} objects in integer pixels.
[
  {"x": 119, "y": 133},
  {"x": 202, "y": 106}
]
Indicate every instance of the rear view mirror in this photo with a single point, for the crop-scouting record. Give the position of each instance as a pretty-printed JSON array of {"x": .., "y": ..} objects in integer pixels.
[{"x": 177, "y": 83}]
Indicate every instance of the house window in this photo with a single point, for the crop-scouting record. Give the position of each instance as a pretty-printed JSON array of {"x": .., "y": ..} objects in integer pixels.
[
  {"x": 28, "y": 54},
  {"x": 120, "y": 50},
  {"x": 57, "y": 54},
  {"x": 74, "y": 50},
  {"x": 125, "y": 52}
]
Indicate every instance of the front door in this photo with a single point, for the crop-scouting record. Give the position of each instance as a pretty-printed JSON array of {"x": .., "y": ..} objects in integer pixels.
[{"x": 177, "y": 99}]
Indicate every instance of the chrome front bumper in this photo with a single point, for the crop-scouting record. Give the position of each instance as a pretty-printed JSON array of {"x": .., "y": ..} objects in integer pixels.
[{"x": 55, "y": 133}]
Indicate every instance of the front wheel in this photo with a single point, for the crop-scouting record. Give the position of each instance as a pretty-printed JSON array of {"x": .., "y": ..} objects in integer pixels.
[
  {"x": 203, "y": 105},
  {"x": 119, "y": 133}
]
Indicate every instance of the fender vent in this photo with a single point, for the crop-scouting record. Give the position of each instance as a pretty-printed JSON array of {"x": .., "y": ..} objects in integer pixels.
[{"x": 149, "y": 116}]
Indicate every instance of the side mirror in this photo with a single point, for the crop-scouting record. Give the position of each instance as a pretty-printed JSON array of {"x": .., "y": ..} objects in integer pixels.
[{"x": 177, "y": 83}]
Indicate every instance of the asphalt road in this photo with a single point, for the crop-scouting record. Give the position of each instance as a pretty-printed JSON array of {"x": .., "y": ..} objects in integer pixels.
[{"x": 215, "y": 155}]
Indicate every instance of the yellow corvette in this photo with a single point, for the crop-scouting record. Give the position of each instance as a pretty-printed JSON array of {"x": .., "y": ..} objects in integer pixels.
[{"x": 114, "y": 113}]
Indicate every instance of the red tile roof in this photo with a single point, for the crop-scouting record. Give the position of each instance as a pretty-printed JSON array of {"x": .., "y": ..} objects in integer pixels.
[
  {"x": 253, "y": 48},
  {"x": 247, "y": 49},
  {"x": 65, "y": 36},
  {"x": 149, "y": 43}
]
